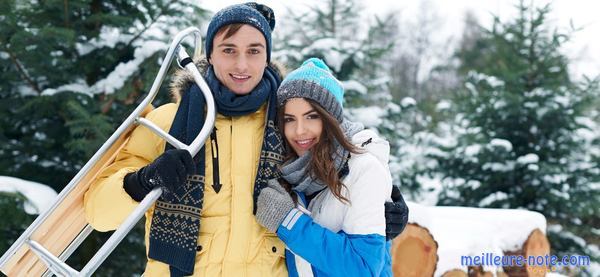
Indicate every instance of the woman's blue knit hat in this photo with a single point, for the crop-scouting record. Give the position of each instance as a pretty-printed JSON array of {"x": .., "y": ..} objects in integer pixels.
[
  {"x": 257, "y": 15},
  {"x": 314, "y": 80}
]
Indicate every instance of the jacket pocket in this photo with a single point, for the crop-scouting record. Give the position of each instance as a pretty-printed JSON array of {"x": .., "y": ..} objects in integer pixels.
[
  {"x": 202, "y": 250},
  {"x": 272, "y": 252}
]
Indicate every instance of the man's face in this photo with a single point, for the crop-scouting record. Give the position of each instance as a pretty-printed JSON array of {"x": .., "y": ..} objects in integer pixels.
[{"x": 240, "y": 60}]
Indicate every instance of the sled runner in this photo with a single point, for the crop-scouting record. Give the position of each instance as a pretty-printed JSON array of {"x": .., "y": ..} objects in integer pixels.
[{"x": 57, "y": 232}]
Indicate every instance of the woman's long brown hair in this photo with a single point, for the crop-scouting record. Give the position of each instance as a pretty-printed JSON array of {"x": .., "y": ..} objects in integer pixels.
[{"x": 321, "y": 166}]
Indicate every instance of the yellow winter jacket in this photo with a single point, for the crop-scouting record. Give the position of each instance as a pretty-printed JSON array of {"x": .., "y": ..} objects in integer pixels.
[{"x": 231, "y": 242}]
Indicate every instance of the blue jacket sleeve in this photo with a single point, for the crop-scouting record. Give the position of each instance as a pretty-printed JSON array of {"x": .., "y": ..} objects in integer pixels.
[{"x": 336, "y": 254}]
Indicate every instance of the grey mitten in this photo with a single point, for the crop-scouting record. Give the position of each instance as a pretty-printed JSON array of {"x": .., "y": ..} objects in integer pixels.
[{"x": 273, "y": 205}]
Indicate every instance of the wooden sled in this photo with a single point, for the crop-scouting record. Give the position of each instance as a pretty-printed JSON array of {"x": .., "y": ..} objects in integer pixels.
[{"x": 56, "y": 233}]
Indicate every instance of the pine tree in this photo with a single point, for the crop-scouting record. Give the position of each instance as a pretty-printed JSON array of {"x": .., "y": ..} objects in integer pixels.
[
  {"x": 16, "y": 220},
  {"x": 524, "y": 136},
  {"x": 70, "y": 72},
  {"x": 351, "y": 43},
  {"x": 356, "y": 46}
]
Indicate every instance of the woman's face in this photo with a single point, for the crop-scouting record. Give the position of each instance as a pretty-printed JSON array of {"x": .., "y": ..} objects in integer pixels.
[
  {"x": 240, "y": 60},
  {"x": 302, "y": 125}
]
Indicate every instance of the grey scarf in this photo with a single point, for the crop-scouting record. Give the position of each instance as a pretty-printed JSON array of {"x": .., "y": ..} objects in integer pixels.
[{"x": 295, "y": 171}]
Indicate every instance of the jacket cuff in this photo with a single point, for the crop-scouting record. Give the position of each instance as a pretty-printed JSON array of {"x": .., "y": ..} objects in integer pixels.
[
  {"x": 293, "y": 224},
  {"x": 132, "y": 186}
]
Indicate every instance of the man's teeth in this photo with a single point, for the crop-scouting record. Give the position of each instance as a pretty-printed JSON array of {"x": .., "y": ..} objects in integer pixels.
[{"x": 240, "y": 76}]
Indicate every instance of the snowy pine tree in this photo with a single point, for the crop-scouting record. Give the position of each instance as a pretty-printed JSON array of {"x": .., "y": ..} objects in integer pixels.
[
  {"x": 70, "y": 72},
  {"x": 525, "y": 137},
  {"x": 352, "y": 44},
  {"x": 356, "y": 47}
]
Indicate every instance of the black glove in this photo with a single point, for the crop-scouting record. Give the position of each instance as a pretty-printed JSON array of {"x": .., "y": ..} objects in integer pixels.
[
  {"x": 396, "y": 215},
  {"x": 169, "y": 171}
]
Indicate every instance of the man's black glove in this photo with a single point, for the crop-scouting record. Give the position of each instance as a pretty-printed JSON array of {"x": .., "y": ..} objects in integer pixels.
[
  {"x": 396, "y": 215},
  {"x": 169, "y": 171}
]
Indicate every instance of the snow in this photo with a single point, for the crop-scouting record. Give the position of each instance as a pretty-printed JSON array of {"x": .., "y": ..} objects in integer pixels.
[
  {"x": 39, "y": 197},
  {"x": 354, "y": 85},
  {"x": 333, "y": 58},
  {"x": 494, "y": 197},
  {"x": 408, "y": 102},
  {"x": 502, "y": 143},
  {"x": 499, "y": 167},
  {"x": 491, "y": 80},
  {"x": 528, "y": 159},
  {"x": 432, "y": 187},
  {"x": 472, "y": 150},
  {"x": 78, "y": 86},
  {"x": 369, "y": 116},
  {"x": 500, "y": 104},
  {"x": 116, "y": 79},
  {"x": 496, "y": 231},
  {"x": 443, "y": 105},
  {"x": 109, "y": 37}
]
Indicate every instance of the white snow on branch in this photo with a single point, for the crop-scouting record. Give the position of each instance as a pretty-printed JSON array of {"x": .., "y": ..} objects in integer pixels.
[
  {"x": 494, "y": 197},
  {"x": 443, "y": 105},
  {"x": 79, "y": 86},
  {"x": 528, "y": 159},
  {"x": 354, "y": 85},
  {"x": 408, "y": 102},
  {"x": 39, "y": 197},
  {"x": 369, "y": 116},
  {"x": 116, "y": 79},
  {"x": 502, "y": 143},
  {"x": 109, "y": 37}
]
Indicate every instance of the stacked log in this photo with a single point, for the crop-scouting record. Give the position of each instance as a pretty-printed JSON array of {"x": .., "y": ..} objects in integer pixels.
[
  {"x": 414, "y": 253},
  {"x": 536, "y": 245}
]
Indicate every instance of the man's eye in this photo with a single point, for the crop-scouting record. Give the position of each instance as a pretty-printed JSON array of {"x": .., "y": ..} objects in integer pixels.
[
  {"x": 228, "y": 51},
  {"x": 254, "y": 51}
]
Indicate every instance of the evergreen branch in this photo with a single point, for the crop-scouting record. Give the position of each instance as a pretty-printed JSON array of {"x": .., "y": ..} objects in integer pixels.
[
  {"x": 66, "y": 9},
  {"x": 152, "y": 21},
  {"x": 22, "y": 70}
]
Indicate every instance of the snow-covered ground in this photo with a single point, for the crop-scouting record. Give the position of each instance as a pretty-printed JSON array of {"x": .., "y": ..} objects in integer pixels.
[{"x": 39, "y": 197}]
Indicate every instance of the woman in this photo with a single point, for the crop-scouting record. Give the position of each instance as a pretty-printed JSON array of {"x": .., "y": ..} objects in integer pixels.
[{"x": 339, "y": 173}]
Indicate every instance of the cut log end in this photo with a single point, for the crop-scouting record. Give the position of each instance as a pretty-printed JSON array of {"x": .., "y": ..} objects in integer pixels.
[
  {"x": 536, "y": 246},
  {"x": 414, "y": 252}
]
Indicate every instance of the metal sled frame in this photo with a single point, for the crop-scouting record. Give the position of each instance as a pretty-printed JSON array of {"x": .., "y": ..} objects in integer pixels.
[{"x": 57, "y": 232}]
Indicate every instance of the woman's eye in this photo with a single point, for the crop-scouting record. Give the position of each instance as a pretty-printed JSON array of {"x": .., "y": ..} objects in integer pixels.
[
  {"x": 313, "y": 116},
  {"x": 288, "y": 119}
]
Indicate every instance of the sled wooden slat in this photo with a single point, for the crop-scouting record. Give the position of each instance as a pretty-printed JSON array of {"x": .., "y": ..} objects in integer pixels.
[{"x": 62, "y": 226}]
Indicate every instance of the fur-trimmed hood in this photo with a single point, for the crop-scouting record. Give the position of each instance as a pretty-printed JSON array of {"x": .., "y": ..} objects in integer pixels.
[{"x": 183, "y": 79}]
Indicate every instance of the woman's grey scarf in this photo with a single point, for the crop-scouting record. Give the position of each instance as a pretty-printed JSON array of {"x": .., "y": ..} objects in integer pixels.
[{"x": 295, "y": 171}]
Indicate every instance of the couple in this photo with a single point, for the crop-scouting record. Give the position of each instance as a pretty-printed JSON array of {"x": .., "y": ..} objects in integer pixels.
[{"x": 284, "y": 187}]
